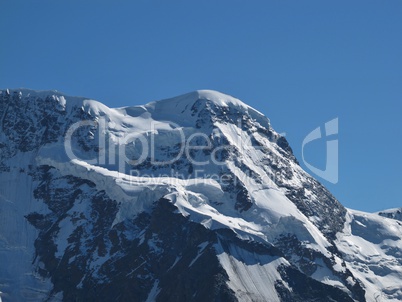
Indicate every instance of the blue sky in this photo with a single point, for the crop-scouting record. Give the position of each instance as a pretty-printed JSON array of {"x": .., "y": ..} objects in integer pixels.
[{"x": 302, "y": 63}]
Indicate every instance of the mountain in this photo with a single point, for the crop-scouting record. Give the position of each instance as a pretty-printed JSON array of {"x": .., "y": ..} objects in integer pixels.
[{"x": 193, "y": 198}]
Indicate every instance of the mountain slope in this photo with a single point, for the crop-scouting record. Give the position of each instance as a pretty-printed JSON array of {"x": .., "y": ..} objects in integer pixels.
[{"x": 194, "y": 198}]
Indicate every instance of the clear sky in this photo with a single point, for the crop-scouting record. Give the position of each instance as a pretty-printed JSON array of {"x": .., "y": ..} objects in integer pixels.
[{"x": 302, "y": 63}]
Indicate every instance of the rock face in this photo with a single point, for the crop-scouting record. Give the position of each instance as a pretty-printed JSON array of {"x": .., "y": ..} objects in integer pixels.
[
  {"x": 194, "y": 198},
  {"x": 392, "y": 213}
]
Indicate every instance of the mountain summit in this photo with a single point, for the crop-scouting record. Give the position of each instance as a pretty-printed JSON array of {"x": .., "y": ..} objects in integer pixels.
[{"x": 193, "y": 198}]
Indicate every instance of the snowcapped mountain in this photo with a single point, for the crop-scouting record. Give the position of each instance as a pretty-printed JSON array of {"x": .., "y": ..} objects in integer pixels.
[{"x": 194, "y": 198}]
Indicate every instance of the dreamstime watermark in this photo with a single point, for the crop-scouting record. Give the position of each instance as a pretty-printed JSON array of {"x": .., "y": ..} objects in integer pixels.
[{"x": 165, "y": 144}]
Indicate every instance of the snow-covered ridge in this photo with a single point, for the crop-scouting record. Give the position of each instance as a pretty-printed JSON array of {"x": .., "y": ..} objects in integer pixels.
[
  {"x": 173, "y": 109},
  {"x": 27, "y": 94},
  {"x": 183, "y": 102},
  {"x": 176, "y": 104},
  {"x": 395, "y": 213},
  {"x": 178, "y": 108}
]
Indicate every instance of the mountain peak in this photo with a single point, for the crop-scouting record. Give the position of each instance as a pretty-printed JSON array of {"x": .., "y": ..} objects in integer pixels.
[
  {"x": 183, "y": 107},
  {"x": 218, "y": 98},
  {"x": 187, "y": 100}
]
